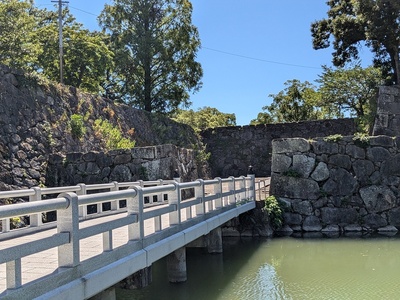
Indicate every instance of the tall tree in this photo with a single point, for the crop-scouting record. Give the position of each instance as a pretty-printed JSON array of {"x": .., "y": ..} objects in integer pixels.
[
  {"x": 351, "y": 91},
  {"x": 297, "y": 102},
  {"x": 155, "y": 47},
  {"x": 203, "y": 118},
  {"x": 349, "y": 22},
  {"x": 18, "y": 47}
]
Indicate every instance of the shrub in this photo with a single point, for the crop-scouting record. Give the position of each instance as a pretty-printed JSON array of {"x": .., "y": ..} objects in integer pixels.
[
  {"x": 274, "y": 211},
  {"x": 111, "y": 136},
  {"x": 77, "y": 126}
]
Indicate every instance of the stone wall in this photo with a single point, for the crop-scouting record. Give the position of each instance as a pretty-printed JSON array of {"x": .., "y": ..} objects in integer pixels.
[
  {"x": 387, "y": 121},
  {"x": 234, "y": 149},
  {"x": 146, "y": 163},
  {"x": 35, "y": 118},
  {"x": 338, "y": 184}
]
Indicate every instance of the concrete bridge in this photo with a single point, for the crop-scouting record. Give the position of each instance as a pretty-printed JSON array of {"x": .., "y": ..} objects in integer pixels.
[{"x": 106, "y": 232}]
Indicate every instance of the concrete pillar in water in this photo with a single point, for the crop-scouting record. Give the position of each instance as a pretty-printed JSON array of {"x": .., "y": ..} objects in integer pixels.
[
  {"x": 138, "y": 280},
  {"x": 214, "y": 244},
  {"x": 108, "y": 294},
  {"x": 176, "y": 265}
]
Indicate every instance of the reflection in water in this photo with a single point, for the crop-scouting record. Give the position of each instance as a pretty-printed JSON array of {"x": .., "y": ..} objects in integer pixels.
[{"x": 284, "y": 268}]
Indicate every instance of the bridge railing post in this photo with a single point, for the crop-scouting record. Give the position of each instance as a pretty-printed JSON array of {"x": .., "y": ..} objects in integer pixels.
[
  {"x": 68, "y": 221},
  {"x": 218, "y": 193},
  {"x": 252, "y": 187},
  {"x": 174, "y": 199},
  {"x": 114, "y": 204},
  {"x": 199, "y": 194},
  {"x": 35, "y": 220},
  {"x": 231, "y": 186},
  {"x": 242, "y": 187},
  {"x": 135, "y": 207},
  {"x": 82, "y": 208}
]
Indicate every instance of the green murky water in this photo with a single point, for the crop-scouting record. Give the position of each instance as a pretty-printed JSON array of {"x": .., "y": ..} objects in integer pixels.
[{"x": 285, "y": 268}]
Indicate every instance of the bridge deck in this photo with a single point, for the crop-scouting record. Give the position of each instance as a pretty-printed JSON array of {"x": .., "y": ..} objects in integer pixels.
[
  {"x": 46, "y": 262},
  {"x": 127, "y": 242}
]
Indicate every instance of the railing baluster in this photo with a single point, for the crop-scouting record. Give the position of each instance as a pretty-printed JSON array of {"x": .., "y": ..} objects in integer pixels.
[
  {"x": 35, "y": 219},
  {"x": 135, "y": 206},
  {"x": 14, "y": 274},
  {"x": 199, "y": 193},
  {"x": 5, "y": 225},
  {"x": 107, "y": 241},
  {"x": 218, "y": 192},
  {"x": 231, "y": 185},
  {"x": 82, "y": 208},
  {"x": 68, "y": 221},
  {"x": 174, "y": 198},
  {"x": 115, "y": 204}
]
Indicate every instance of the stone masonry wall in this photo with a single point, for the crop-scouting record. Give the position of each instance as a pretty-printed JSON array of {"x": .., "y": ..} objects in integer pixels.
[
  {"x": 387, "y": 120},
  {"x": 234, "y": 149},
  {"x": 146, "y": 163},
  {"x": 338, "y": 184},
  {"x": 35, "y": 119}
]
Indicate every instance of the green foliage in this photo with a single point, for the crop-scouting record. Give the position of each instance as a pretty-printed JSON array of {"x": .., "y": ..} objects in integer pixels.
[
  {"x": 155, "y": 47},
  {"x": 18, "y": 47},
  {"x": 274, "y": 212},
  {"x": 351, "y": 91},
  {"x": 87, "y": 56},
  {"x": 350, "y": 22},
  {"x": 361, "y": 140},
  {"x": 77, "y": 126},
  {"x": 333, "y": 138},
  {"x": 203, "y": 118},
  {"x": 297, "y": 102},
  {"x": 111, "y": 136}
]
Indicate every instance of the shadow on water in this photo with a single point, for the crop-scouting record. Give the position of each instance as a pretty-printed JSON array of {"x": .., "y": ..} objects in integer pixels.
[
  {"x": 208, "y": 274},
  {"x": 340, "y": 267}
]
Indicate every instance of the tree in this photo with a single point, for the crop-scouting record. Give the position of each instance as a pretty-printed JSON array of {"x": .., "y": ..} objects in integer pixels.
[
  {"x": 203, "y": 118},
  {"x": 297, "y": 102},
  {"x": 352, "y": 91},
  {"x": 86, "y": 54},
  {"x": 349, "y": 22},
  {"x": 155, "y": 48},
  {"x": 18, "y": 48}
]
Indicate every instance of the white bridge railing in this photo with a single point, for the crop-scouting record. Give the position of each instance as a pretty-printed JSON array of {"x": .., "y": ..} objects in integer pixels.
[{"x": 207, "y": 197}]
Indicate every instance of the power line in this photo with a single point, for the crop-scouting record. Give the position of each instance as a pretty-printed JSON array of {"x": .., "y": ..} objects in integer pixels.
[
  {"x": 260, "y": 59},
  {"x": 84, "y": 11}
]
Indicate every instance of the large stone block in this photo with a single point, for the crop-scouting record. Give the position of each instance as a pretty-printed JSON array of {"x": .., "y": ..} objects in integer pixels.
[
  {"x": 294, "y": 188},
  {"x": 312, "y": 223},
  {"x": 336, "y": 216},
  {"x": 378, "y": 198},
  {"x": 391, "y": 166},
  {"x": 341, "y": 183},
  {"x": 292, "y": 219},
  {"x": 290, "y": 145},
  {"x": 322, "y": 147},
  {"x": 303, "y": 164},
  {"x": 302, "y": 207},
  {"x": 321, "y": 172},
  {"x": 280, "y": 163},
  {"x": 374, "y": 221}
]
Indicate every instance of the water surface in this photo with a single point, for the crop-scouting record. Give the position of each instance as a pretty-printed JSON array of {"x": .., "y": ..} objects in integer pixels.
[{"x": 285, "y": 268}]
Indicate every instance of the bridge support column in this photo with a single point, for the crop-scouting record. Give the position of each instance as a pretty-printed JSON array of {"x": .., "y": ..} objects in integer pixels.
[
  {"x": 176, "y": 265},
  {"x": 108, "y": 294},
  {"x": 214, "y": 241},
  {"x": 137, "y": 280}
]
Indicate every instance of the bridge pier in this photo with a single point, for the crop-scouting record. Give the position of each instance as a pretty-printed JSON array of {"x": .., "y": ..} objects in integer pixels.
[
  {"x": 176, "y": 265},
  {"x": 214, "y": 241}
]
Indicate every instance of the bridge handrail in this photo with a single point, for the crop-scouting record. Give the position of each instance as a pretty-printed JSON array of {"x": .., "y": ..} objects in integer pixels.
[{"x": 67, "y": 207}]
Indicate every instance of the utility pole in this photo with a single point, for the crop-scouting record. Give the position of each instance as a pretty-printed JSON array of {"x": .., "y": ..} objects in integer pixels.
[{"x": 60, "y": 37}]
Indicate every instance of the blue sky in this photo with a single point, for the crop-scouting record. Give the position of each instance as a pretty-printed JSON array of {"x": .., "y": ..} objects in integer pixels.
[{"x": 249, "y": 48}]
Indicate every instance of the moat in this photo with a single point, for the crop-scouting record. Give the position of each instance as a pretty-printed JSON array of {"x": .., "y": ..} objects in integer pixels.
[{"x": 285, "y": 268}]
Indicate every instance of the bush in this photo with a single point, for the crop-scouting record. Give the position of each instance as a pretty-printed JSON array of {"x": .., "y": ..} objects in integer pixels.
[
  {"x": 77, "y": 126},
  {"x": 274, "y": 211},
  {"x": 111, "y": 136}
]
